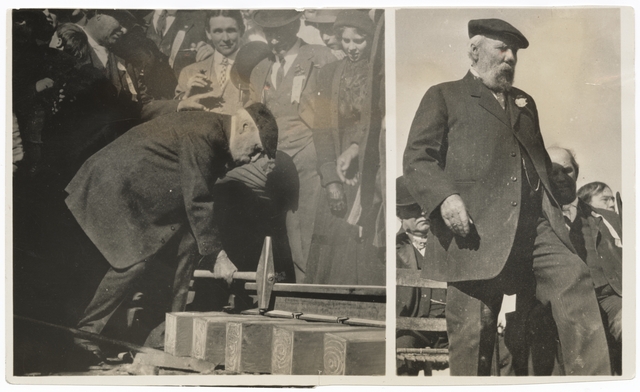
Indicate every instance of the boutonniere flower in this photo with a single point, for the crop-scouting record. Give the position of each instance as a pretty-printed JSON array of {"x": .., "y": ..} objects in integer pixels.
[
  {"x": 299, "y": 71},
  {"x": 521, "y": 101}
]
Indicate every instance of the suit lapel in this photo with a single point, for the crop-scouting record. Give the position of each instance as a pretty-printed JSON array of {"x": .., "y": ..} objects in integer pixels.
[
  {"x": 487, "y": 100},
  {"x": 513, "y": 109}
]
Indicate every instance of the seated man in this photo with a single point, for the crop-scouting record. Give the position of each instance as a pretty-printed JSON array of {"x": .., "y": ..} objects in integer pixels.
[
  {"x": 597, "y": 236},
  {"x": 597, "y": 195},
  {"x": 411, "y": 242},
  {"x": 145, "y": 201}
]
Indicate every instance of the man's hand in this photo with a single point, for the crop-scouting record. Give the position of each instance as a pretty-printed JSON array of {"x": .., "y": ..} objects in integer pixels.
[
  {"x": 454, "y": 214},
  {"x": 194, "y": 102},
  {"x": 335, "y": 194},
  {"x": 223, "y": 268},
  {"x": 203, "y": 51},
  {"x": 344, "y": 162},
  {"x": 197, "y": 80}
]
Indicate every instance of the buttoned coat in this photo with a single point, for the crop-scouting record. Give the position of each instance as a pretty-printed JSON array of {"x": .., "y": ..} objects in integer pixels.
[
  {"x": 309, "y": 60},
  {"x": 151, "y": 184},
  {"x": 463, "y": 142}
]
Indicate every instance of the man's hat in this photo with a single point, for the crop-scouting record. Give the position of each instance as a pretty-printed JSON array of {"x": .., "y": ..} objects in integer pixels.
[
  {"x": 324, "y": 16},
  {"x": 275, "y": 18},
  {"x": 249, "y": 55},
  {"x": 267, "y": 127},
  {"x": 497, "y": 27},
  {"x": 357, "y": 19},
  {"x": 125, "y": 18}
]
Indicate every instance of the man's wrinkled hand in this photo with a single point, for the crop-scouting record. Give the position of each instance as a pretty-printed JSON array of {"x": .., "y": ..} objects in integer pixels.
[
  {"x": 44, "y": 84},
  {"x": 197, "y": 80},
  {"x": 224, "y": 268},
  {"x": 335, "y": 194},
  {"x": 344, "y": 162},
  {"x": 204, "y": 51},
  {"x": 455, "y": 216}
]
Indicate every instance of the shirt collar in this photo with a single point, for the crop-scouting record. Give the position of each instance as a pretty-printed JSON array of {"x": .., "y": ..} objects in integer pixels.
[
  {"x": 293, "y": 52},
  {"x": 218, "y": 57}
]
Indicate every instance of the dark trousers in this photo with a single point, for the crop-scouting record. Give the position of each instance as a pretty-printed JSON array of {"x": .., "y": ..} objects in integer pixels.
[{"x": 180, "y": 255}]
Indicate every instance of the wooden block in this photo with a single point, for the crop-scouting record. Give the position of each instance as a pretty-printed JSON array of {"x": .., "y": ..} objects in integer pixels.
[
  {"x": 178, "y": 333},
  {"x": 299, "y": 349},
  {"x": 249, "y": 344},
  {"x": 342, "y": 307},
  {"x": 354, "y": 353},
  {"x": 165, "y": 360},
  {"x": 421, "y": 324},
  {"x": 210, "y": 336}
]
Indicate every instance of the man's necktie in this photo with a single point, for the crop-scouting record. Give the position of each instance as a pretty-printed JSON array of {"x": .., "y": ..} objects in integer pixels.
[
  {"x": 568, "y": 222},
  {"x": 162, "y": 23},
  {"x": 222, "y": 78},
  {"x": 280, "y": 73},
  {"x": 501, "y": 101}
]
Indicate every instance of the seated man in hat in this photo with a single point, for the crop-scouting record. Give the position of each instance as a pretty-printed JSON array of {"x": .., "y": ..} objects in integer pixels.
[
  {"x": 476, "y": 161},
  {"x": 145, "y": 201},
  {"x": 286, "y": 84},
  {"x": 411, "y": 242}
]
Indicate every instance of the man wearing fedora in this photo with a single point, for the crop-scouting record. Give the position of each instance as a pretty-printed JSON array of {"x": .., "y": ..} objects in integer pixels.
[
  {"x": 476, "y": 163},
  {"x": 145, "y": 201},
  {"x": 286, "y": 84}
]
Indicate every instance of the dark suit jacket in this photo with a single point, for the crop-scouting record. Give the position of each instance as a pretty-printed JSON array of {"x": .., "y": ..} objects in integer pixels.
[
  {"x": 462, "y": 142},
  {"x": 152, "y": 183},
  {"x": 609, "y": 253},
  {"x": 188, "y": 28},
  {"x": 310, "y": 59}
]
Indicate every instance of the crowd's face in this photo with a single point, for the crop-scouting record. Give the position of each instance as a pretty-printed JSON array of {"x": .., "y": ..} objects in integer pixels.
[
  {"x": 563, "y": 176},
  {"x": 281, "y": 39},
  {"x": 356, "y": 46},
  {"x": 496, "y": 63},
  {"x": 604, "y": 200},
  {"x": 224, "y": 34},
  {"x": 328, "y": 35},
  {"x": 417, "y": 225},
  {"x": 108, "y": 29},
  {"x": 244, "y": 143}
]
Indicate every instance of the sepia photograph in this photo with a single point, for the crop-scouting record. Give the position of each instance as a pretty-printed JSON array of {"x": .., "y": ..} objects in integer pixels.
[
  {"x": 508, "y": 193},
  {"x": 197, "y": 192}
]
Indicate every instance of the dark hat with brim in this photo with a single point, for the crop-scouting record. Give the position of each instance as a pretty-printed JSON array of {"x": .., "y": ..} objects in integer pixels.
[
  {"x": 249, "y": 55},
  {"x": 357, "y": 19},
  {"x": 498, "y": 28},
  {"x": 125, "y": 18},
  {"x": 324, "y": 16},
  {"x": 267, "y": 127},
  {"x": 275, "y": 18}
]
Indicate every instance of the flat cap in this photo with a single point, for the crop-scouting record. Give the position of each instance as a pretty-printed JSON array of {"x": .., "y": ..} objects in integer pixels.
[
  {"x": 275, "y": 18},
  {"x": 497, "y": 27},
  {"x": 125, "y": 18}
]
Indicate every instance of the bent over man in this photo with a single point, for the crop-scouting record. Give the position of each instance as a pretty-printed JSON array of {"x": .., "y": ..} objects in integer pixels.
[
  {"x": 146, "y": 200},
  {"x": 475, "y": 161}
]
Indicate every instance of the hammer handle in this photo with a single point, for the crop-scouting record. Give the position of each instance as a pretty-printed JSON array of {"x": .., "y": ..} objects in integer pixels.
[{"x": 238, "y": 275}]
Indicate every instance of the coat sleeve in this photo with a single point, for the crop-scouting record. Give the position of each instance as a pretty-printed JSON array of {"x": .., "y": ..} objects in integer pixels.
[
  {"x": 198, "y": 175},
  {"x": 425, "y": 154},
  {"x": 323, "y": 128}
]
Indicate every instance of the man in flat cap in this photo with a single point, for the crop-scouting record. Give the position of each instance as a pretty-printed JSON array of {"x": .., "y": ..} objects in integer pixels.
[
  {"x": 476, "y": 162},
  {"x": 145, "y": 201},
  {"x": 286, "y": 84}
]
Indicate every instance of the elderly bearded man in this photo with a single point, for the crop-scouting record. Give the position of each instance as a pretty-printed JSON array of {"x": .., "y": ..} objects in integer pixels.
[
  {"x": 145, "y": 200},
  {"x": 475, "y": 161}
]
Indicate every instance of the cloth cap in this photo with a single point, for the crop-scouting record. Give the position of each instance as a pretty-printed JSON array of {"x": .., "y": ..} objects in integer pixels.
[
  {"x": 497, "y": 27},
  {"x": 267, "y": 127},
  {"x": 357, "y": 19},
  {"x": 248, "y": 56},
  {"x": 275, "y": 18},
  {"x": 324, "y": 16},
  {"x": 125, "y": 18}
]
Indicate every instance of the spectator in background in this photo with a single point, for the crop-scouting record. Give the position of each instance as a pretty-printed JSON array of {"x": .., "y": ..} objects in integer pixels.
[
  {"x": 178, "y": 35},
  {"x": 411, "y": 242},
  {"x": 286, "y": 83},
  {"x": 596, "y": 235},
  {"x": 323, "y": 21},
  {"x": 253, "y": 31},
  {"x": 598, "y": 195}
]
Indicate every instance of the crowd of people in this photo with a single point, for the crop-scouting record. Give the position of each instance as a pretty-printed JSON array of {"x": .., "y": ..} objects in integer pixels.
[
  {"x": 130, "y": 126},
  {"x": 531, "y": 264}
]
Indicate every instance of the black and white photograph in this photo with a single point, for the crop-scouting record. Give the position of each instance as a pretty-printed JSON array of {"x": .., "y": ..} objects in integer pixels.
[
  {"x": 509, "y": 193},
  {"x": 197, "y": 192}
]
